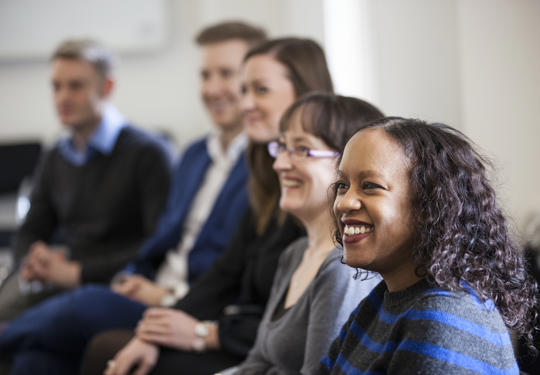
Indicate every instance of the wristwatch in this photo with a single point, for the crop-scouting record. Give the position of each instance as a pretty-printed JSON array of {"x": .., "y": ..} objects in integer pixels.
[
  {"x": 201, "y": 331},
  {"x": 168, "y": 299}
]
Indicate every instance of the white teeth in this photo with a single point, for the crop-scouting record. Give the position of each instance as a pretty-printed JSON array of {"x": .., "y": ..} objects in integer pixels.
[
  {"x": 351, "y": 230},
  {"x": 289, "y": 183},
  {"x": 218, "y": 105}
]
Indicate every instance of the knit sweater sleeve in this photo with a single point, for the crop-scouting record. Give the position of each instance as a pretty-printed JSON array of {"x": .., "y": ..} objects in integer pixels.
[{"x": 41, "y": 219}]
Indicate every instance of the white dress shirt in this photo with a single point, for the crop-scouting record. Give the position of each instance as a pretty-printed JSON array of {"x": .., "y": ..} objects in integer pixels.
[{"x": 173, "y": 273}]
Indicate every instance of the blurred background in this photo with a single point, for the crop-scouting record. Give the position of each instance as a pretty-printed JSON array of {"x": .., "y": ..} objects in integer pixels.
[{"x": 474, "y": 64}]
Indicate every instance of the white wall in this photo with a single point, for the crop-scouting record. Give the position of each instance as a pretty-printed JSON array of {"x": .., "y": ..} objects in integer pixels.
[
  {"x": 472, "y": 64},
  {"x": 156, "y": 89},
  {"x": 417, "y": 58},
  {"x": 500, "y": 79}
]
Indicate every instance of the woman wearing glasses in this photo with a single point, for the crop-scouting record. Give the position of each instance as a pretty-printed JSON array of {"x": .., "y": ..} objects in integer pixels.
[{"x": 313, "y": 293}]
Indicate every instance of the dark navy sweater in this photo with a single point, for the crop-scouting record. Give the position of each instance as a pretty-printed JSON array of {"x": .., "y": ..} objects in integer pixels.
[{"x": 102, "y": 210}]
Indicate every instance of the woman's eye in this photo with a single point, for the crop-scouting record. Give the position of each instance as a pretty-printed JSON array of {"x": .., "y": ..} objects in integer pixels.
[
  {"x": 282, "y": 147},
  {"x": 226, "y": 73},
  {"x": 261, "y": 90},
  {"x": 340, "y": 186},
  {"x": 371, "y": 185},
  {"x": 301, "y": 150}
]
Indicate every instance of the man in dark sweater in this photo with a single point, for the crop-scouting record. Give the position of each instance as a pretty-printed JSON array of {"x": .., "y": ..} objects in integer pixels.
[{"x": 99, "y": 191}]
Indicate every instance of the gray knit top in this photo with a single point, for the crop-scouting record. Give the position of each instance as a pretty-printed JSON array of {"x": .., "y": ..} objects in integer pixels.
[{"x": 294, "y": 342}]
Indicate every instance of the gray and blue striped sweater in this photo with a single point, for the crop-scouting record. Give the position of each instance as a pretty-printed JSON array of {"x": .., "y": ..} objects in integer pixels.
[{"x": 422, "y": 330}]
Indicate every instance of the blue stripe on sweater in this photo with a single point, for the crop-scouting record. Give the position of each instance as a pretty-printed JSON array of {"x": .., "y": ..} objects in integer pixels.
[
  {"x": 455, "y": 358},
  {"x": 327, "y": 362},
  {"x": 374, "y": 346},
  {"x": 438, "y": 292},
  {"x": 495, "y": 338},
  {"x": 487, "y": 304},
  {"x": 349, "y": 369},
  {"x": 435, "y": 351}
]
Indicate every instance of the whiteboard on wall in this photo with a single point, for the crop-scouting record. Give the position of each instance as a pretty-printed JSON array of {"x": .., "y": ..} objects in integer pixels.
[{"x": 31, "y": 29}]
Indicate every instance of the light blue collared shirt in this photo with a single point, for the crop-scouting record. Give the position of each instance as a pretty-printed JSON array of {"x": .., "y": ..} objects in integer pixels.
[{"x": 103, "y": 139}]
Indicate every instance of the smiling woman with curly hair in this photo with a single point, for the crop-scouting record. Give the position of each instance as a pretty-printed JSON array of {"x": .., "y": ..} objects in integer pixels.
[{"x": 413, "y": 202}]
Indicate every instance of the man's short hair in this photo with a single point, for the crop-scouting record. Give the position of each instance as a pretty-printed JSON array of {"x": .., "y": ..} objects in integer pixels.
[
  {"x": 87, "y": 50},
  {"x": 225, "y": 31}
]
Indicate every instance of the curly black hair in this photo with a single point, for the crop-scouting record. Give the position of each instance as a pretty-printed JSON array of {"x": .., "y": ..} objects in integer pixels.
[{"x": 461, "y": 234}]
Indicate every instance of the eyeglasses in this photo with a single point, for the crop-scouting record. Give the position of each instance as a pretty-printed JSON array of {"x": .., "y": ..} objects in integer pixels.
[{"x": 300, "y": 152}]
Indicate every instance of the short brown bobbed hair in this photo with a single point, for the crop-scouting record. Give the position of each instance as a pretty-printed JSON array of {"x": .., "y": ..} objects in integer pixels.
[
  {"x": 332, "y": 118},
  {"x": 88, "y": 50},
  {"x": 225, "y": 31}
]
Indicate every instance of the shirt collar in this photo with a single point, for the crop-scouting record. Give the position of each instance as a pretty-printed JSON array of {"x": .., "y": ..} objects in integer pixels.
[
  {"x": 102, "y": 140},
  {"x": 215, "y": 149},
  {"x": 106, "y": 134}
]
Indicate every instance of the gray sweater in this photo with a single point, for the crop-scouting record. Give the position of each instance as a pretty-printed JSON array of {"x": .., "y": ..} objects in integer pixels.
[
  {"x": 295, "y": 342},
  {"x": 422, "y": 330}
]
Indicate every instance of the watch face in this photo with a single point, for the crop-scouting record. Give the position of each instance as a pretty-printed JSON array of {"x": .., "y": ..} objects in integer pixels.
[
  {"x": 168, "y": 300},
  {"x": 201, "y": 330},
  {"x": 199, "y": 345}
]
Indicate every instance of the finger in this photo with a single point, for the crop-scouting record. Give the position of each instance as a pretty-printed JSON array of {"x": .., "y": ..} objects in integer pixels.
[
  {"x": 31, "y": 262},
  {"x": 110, "y": 367},
  {"x": 32, "y": 254},
  {"x": 26, "y": 271},
  {"x": 130, "y": 285},
  {"x": 138, "y": 278},
  {"x": 117, "y": 288},
  {"x": 149, "y": 328},
  {"x": 37, "y": 246},
  {"x": 126, "y": 288},
  {"x": 42, "y": 256},
  {"x": 40, "y": 248},
  {"x": 152, "y": 319},
  {"x": 109, "y": 371},
  {"x": 122, "y": 364},
  {"x": 58, "y": 255},
  {"x": 39, "y": 269},
  {"x": 144, "y": 368},
  {"x": 157, "y": 312},
  {"x": 158, "y": 339},
  {"x": 41, "y": 244},
  {"x": 36, "y": 270},
  {"x": 120, "y": 288}
]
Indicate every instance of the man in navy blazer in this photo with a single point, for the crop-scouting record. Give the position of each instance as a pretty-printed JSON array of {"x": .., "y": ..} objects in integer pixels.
[{"x": 207, "y": 198}]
